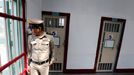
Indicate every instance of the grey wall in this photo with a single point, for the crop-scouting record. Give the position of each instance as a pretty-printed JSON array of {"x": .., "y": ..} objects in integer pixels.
[{"x": 33, "y": 8}]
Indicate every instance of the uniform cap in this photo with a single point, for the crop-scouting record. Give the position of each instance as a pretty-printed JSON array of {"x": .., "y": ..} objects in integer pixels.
[{"x": 35, "y": 21}]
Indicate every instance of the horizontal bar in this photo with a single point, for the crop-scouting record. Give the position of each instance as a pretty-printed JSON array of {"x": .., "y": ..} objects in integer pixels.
[
  {"x": 11, "y": 16},
  {"x": 11, "y": 62}
]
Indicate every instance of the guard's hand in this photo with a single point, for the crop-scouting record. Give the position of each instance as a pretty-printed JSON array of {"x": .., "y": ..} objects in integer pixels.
[
  {"x": 51, "y": 62},
  {"x": 28, "y": 69}
]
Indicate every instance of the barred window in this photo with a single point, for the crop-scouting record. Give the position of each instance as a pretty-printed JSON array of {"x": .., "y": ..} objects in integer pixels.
[{"x": 12, "y": 20}]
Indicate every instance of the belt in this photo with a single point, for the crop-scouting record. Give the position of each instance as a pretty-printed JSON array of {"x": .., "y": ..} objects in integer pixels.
[{"x": 40, "y": 63}]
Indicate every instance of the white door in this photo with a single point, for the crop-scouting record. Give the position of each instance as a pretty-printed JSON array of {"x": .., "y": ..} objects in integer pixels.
[
  {"x": 110, "y": 38},
  {"x": 58, "y": 26}
]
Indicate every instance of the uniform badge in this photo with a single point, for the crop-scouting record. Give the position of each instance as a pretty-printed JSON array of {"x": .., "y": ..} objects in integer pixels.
[{"x": 33, "y": 42}]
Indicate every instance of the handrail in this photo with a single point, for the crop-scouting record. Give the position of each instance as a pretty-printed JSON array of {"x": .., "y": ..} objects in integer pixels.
[{"x": 11, "y": 62}]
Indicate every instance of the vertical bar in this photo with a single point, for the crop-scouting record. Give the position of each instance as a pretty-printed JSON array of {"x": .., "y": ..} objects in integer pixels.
[
  {"x": 110, "y": 27},
  {"x": 49, "y": 22},
  {"x": 59, "y": 66},
  {"x": 102, "y": 66},
  {"x": 54, "y": 22},
  {"x": 115, "y": 28},
  {"x": 24, "y": 42},
  {"x": 118, "y": 27},
  {"x": 53, "y": 66},
  {"x": 57, "y": 22},
  {"x": 56, "y": 66},
  {"x": 62, "y": 23},
  {"x": 107, "y": 26},
  {"x": 46, "y": 22},
  {"x": 108, "y": 66}
]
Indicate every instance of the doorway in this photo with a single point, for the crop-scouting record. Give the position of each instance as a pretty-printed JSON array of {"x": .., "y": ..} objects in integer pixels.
[
  {"x": 109, "y": 43},
  {"x": 57, "y": 24}
]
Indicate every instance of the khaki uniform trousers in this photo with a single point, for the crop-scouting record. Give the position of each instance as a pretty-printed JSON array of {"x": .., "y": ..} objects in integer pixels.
[{"x": 36, "y": 69}]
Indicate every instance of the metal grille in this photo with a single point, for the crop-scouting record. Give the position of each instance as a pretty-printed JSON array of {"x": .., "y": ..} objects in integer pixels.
[
  {"x": 105, "y": 66},
  {"x": 54, "y": 22},
  {"x": 56, "y": 67},
  {"x": 111, "y": 27}
]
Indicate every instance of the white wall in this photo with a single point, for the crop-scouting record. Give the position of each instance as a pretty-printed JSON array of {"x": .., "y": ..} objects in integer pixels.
[
  {"x": 84, "y": 29},
  {"x": 34, "y": 8}
]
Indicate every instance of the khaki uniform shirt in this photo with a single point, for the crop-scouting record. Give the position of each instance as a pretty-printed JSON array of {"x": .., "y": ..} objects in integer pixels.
[{"x": 40, "y": 47}]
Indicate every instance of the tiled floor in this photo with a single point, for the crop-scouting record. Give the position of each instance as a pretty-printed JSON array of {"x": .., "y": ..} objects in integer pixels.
[{"x": 94, "y": 74}]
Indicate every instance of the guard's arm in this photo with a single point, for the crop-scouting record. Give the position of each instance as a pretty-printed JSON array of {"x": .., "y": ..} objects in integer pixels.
[
  {"x": 29, "y": 51},
  {"x": 52, "y": 51}
]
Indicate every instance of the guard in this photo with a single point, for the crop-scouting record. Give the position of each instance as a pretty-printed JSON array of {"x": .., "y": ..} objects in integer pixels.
[{"x": 40, "y": 48}]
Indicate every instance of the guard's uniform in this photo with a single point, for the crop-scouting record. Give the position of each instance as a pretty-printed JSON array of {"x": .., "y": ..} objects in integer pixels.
[{"x": 41, "y": 52}]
